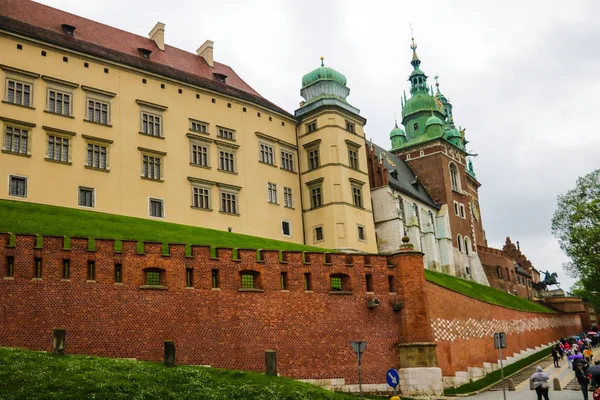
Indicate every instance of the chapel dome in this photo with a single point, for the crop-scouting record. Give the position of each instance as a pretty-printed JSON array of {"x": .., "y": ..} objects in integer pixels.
[
  {"x": 396, "y": 132},
  {"x": 433, "y": 120},
  {"x": 420, "y": 102}
]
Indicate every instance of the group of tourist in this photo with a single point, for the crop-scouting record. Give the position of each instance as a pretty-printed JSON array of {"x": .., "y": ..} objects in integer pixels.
[{"x": 578, "y": 351}]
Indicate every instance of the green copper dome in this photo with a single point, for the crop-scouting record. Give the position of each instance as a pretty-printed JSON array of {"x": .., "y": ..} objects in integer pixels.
[
  {"x": 433, "y": 120},
  {"x": 420, "y": 102},
  {"x": 323, "y": 73},
  {"x": 396, "y": 132}
]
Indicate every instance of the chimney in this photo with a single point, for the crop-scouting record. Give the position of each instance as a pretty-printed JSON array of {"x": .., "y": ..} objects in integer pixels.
[
  {"x": 158, "y": 35},
  {"x": 206, "y": 51}
]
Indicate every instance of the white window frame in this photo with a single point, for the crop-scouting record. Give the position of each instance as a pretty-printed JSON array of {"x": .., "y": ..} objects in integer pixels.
[
  {"x": 162, "y": 208},
  {"x": 26, "y": 178},
  {"x": 272, "y": 196},
  {"x": 459, "y": 239},
  {"x": 454, "y": 177},
  {"x": 289, "y": 226},
  {"x": 364, "y": 231},
  {"x": 79, "y": 188},
  {"x": 315, "y": 240},
  {"x": 288, "y": 194},
  {"x": 455, "y": 204},
  {"x": 461, "y": 211}
]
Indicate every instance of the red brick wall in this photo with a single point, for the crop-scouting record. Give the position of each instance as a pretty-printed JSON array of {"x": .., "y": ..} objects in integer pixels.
[
  {"x": 311, "y": 332},
  {"x": 467, "y": 341}
]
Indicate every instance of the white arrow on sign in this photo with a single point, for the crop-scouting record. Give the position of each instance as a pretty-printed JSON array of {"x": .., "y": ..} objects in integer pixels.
[{"x": 392, "y": 378}]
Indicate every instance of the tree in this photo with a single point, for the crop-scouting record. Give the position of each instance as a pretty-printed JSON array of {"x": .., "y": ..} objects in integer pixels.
[{"x": 576, "y": 225}]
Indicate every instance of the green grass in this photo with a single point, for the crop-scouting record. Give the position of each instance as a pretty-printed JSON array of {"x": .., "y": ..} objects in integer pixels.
[
  {"x": 20, "y": 217},
  {"x": 495, "y": 376},
  {"x": 37, "y": 375},
  {"x": 484, "y": 293}
]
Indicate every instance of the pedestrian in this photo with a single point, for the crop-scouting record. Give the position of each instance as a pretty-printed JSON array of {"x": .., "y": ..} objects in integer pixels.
[
  {"x": 582, "y": 379},
  {"x": 555, "y": 356},
  {"x": 588, "y": 354},
  {"x": 540, "y": 383}
]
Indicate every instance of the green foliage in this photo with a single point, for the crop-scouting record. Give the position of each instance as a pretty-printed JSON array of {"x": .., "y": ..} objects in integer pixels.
[
  {"x": 21, "y": 217},
  {"x": 576, "y": 225},
  {"x": 483, "y": 293},
  {"x": 495, "y": 376},
  {"x": 37, "y": 375}
]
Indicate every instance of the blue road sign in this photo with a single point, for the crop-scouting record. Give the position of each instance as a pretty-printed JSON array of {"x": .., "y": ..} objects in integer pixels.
[{"x": 392, "y": 377}]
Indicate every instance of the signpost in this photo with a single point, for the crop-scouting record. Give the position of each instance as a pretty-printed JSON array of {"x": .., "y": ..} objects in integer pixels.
[
  {"x": 393, "y": 378},
  {"x": 359, "y": 348},
  {"x": 500, "y": 343}
]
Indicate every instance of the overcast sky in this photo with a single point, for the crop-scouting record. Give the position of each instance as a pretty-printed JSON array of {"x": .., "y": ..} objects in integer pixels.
[{"x": 522, "y": 77}]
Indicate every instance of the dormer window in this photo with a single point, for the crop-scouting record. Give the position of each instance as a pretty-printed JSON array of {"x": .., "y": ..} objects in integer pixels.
[
  {"x": 220, "y": 77},
  {"x": 68, "y": 29},
  {"x": 145, "y": 52},
  {"x": 416, "y": 126}
]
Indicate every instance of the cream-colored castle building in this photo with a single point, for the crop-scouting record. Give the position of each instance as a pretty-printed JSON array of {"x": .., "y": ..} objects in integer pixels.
[{"x": 96, "y": 118}]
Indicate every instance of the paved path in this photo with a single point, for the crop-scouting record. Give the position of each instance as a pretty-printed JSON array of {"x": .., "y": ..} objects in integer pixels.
[{"x": 564, "y": 374}]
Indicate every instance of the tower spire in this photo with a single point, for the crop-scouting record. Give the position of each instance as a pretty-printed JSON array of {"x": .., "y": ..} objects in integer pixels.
[
  {"x": 417, "y": 78},
  {"x": 415, "y": 58}
]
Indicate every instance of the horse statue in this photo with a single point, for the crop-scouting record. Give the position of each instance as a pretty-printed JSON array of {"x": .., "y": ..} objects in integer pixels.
[{"x": 549, "y": 280}]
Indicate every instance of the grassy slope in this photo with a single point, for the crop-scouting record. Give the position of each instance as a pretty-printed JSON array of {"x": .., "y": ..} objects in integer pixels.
[
  {"x": 37, "y": 375},
  {"x": 495, "y": 376},
  {"x": 20, "y": 217},
  {"x": 484, "y": 293}
]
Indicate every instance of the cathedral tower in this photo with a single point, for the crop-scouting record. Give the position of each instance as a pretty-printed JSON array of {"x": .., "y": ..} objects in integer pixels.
[
  {"x": 336, "y": 201},
  {"x": 435, "y": 151}
]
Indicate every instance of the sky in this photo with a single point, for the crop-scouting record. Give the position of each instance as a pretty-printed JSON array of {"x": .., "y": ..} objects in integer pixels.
[{"x": 522, "y": 77}]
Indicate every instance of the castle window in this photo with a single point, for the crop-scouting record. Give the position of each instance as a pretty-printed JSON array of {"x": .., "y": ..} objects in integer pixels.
[
  {"x": 58, "y": 148},
  {"x": 17, "y": 186},
  {"x": 499, "y": 272},
  {"x": 459, "y": 241},
  {"x": 201, "y": 197},
  {"x": 311, "y": 126},
  {"x": 199, "y": 153},
  {"x": 350, "y": 127},
  {"x": 10, "y": 267},
  {"x": 214, "y": 278},
  {"x": 313, "y": 158},
  {"x": 415, "y": 126},
  {"x": 229, "y": 203},
  {"x": 340, "y": 283},
  {"x": 38, "y": 268},
  {"x": 307, "y": 281},
  {"x": 287, "y": 161},
  {"x": 357, "y": 199},
  {"x": 98, "y": 111},
  {"x": 118, "y": 273},
  {"x": 272, "y": 193},
  {"x": 353, "y": 158},
  {"x": 468, "y": 270},
  {"x": 91, "y": 275},
  {"x": 151, "y": 124},
  {"x": 286, "y": 228},
  {"x": 198, "y": 126},
  {"x": 317, "y": 234},
  {"x": 287, "y": 197},
  {"x": 97, "y": 156},
  {"x": 86, "y": 197},
  {"x": 18, "y": 93},
  {"x": 391, "y": 286},
  {"x": 454, "y": 179},
  {"x": 369, "y": 282},
  {"x": 316, "y": 197},
  {"x": 225, "y": 133},
  {"x": 283, "y": 281},
  {"x": 461, "y": 210},
  {"x": 189, "y": 277},
  {"x": 455, "y": 208},
  {"x": 467, "y": 245},
  {"x": 151, "y": 167},
  {"x": 59, "y": 102},
  {"x": 250, "y": 279},
  {"x": 16, "y": 140},
  {"x": 432, "y": 221},
  {"x": 153, "y": 278},
  {"x": 361, "y": 233},
  {"x": 156, "y": 208},
  {"x": 226, "y": 161},
  {"x": 266, "y": 154},
  {"x": 416, "y": 214}
]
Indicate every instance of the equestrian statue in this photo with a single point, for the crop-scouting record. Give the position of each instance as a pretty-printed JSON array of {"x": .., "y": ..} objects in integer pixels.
[{"x": 549, "y": 280}]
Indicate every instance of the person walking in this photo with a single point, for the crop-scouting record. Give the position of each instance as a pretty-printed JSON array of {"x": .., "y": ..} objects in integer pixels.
[
  {"x": 540, "y": 383},
  {"x": 555, "y": 355},
  {"x": 582, "y": 379}
]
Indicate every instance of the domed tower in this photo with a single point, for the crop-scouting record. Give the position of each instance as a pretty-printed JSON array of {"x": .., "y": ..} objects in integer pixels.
[
  {"x": 336, "y": 201},
  {"x": 397, "y": 136}
]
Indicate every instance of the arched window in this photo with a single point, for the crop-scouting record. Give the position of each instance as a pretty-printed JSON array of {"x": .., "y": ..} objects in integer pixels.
[
  {"x": 454, "y": 179},
  {"x": 499, "y": 272},
  {"x": 467, "y": 245},
  {"x": 432, "y": 221},
  {"x": 459, "y": 240}
]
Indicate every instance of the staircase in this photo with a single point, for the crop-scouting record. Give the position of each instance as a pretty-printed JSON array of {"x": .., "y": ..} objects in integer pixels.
[{"x": 525, "y": 374}]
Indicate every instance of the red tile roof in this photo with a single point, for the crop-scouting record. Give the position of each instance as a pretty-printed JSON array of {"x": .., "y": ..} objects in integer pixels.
[{"x": 42, "y": 22}]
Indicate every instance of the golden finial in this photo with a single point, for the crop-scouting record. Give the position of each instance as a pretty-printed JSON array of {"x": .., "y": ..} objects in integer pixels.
[
  {"x": 413, "y": 45},
  {"x": 322, "y": 63}
]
